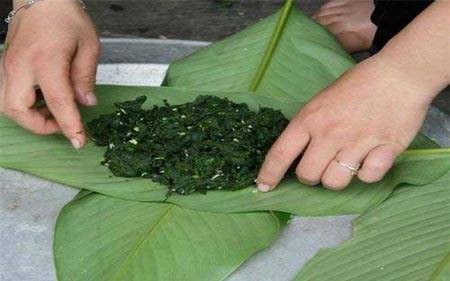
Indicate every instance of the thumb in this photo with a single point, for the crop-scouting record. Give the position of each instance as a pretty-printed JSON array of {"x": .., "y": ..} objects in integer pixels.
[{"x": 83, "y": 72}]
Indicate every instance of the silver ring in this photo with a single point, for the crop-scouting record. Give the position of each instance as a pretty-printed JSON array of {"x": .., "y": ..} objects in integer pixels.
[{"x": 353, "y": 169}]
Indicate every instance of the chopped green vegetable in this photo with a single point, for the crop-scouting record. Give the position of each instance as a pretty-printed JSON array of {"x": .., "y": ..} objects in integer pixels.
[{"x": 208, "y": 144}]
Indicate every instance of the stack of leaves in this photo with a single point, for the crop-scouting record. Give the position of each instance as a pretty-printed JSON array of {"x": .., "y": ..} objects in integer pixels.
[
  {"x": 208, "y": 144},
  {"x": 127, "y": 229}
]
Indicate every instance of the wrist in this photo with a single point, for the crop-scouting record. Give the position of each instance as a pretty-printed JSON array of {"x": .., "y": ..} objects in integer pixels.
[
  {"x": 420, "y": 50},
  {"x": 20, "y": 6},
  {"x": 425, "y": 79}
]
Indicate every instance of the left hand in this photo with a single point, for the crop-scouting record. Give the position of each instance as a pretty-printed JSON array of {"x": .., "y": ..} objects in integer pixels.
[{"x": 367, "y": 118}]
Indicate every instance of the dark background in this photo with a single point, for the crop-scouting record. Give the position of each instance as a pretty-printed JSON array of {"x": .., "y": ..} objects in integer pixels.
[
  {"x": 5, "y": 7},
  {"x": 205, "y": 20}
]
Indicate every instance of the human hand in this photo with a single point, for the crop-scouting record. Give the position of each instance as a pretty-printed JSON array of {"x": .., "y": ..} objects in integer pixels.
[
  {"x": 368, "y": 117},
  {"x": 52, "y": 45}
]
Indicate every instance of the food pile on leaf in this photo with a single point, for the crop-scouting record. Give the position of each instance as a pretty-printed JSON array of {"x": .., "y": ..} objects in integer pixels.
[{"x": 208, "y": 144}]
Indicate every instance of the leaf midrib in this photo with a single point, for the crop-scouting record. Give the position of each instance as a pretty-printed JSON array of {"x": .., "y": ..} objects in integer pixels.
[
  {"x": 273, "y": 43},
  {"x": 140, "y": 244}
]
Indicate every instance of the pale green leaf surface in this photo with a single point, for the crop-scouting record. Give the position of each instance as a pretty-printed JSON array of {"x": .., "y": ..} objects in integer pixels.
[
  {"x": 101, "y": 238},
  {"x": 53, "y": 158},
  {"x": 442, "y": 273},
  {"x": 406, "y": 238},
  {"x": 305, "y": 59}
]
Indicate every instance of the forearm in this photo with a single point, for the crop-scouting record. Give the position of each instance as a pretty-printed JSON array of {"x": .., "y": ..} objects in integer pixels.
[{"x": 422, "y": 50}]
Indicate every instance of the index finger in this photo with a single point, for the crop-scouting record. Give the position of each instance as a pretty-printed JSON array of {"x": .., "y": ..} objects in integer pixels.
[
  {"x": 17, "y": 98},
  {"x": 283, "y": 152},
  {"x": 59, "y": 95}
]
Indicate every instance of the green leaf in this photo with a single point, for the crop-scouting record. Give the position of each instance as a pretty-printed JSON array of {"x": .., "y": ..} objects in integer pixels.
[
  {"x": 53, "y": 158},
  {"x": 405, "y": 238},
  {"x": 417, "y": 167},
  {"x": 284, "y": 55},
  {"x": 442, "y": 273},
  {"x": 101, "y": 238}
]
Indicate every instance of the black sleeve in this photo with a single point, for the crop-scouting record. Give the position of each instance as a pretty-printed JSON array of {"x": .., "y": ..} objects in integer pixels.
[
  {"x": 392, "y": 16},
  {"x": 5, "y": 7}
]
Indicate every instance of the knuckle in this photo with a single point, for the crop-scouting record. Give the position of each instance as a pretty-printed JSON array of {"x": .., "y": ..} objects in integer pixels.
[
  {"x": 50, "y": 56},
  {"x": 327, "y": 127},
  {"x": 379, "y": 164},
  {"x": 41, "y": 62},
  {"x": 11, "y": 112},
  {"x": 38, "y": 130},
  {"x": 71, "y": 128},
  {"x": 87, "y": 80},
  {"x": 297, "y": 122}
]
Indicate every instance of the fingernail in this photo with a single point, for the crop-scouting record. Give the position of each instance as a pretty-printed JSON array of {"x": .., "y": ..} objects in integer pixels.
[
  {"x": 91, "y": 99},
  {"x": 305, "y": 182},
  {"x": 263, "y": 187},
  {"x": 76, "y": 143}
]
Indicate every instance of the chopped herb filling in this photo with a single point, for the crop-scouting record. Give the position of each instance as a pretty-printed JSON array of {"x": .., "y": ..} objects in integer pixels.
[{"x": 208, "y": 144}]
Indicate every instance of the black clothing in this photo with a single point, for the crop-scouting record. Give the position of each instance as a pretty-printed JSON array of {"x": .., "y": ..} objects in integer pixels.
[
  {"x": 5, "y": 7},
  {"x": 392, "y": 16}
]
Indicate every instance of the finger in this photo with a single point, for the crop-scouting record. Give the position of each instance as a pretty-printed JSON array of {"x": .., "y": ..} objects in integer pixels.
[
  {"x": 336, "y": 175},
  {"x": 336, "y": 26},
  {"x": 18, "y": 101},
  {"x": 83, "y": 72},
  {"x": 59, "y": 96},
  {"x": 333, "y": 4},
  {"x": 378, "y": 162},
  {"x": 315, "y": 160},
  {"x": 332, "y": 12},
  {"x": 284, "y": 151}
]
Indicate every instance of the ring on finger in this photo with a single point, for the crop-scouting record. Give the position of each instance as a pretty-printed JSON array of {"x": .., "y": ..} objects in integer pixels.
[{"x": 353, "y": 169}]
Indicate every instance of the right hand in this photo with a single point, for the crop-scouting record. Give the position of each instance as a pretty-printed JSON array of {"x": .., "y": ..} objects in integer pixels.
[{"x": 52, "y": 45}]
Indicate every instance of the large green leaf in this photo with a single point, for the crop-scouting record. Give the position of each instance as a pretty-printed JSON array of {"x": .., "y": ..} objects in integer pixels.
[
  {"x": 442, "y": 273},
  {"x": 53, "y": 158},
  {"x": 405, "y": 238},
  {"x": 101, "y": 238},
  {"x": 284, "y": 55}
]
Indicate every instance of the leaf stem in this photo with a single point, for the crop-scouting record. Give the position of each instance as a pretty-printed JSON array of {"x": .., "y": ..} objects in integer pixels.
[{"x": 272, "y": 45}]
